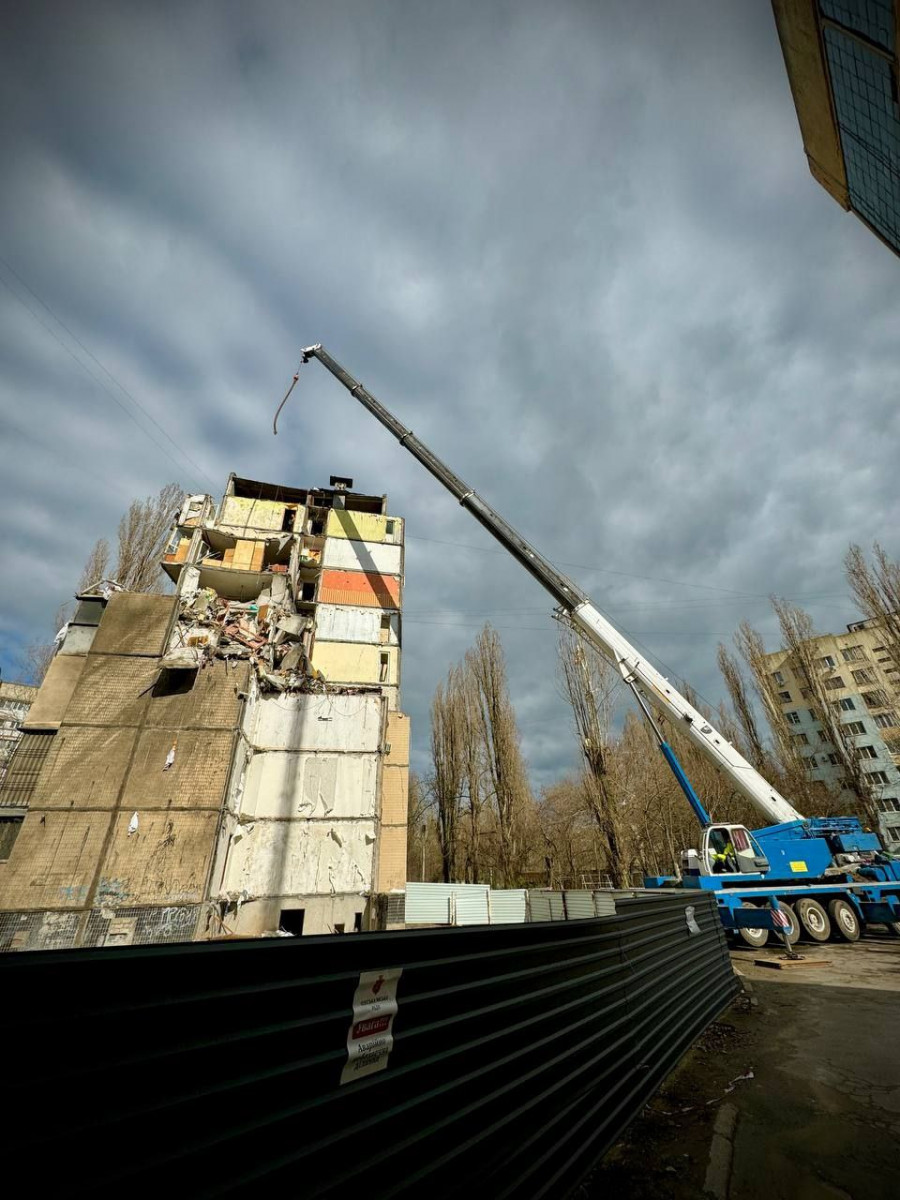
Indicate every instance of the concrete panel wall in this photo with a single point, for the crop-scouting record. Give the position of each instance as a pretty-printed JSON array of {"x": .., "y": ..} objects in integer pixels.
[
  {"x": 134, "y": 623},
  {"x": 208, "y": 699},
  {"x": 278, "y": 858},
  {"x": 353, "y": 662},
  {"x": 365, "y": 527},
  {"x": 56, "y": 692},
  {"x": 316, "y": 722},
  {"x": 112, "y": 690},
  {"x": 351, "y": 555},
  {"x": 283, "y": 785},
  {"x": 165, "y": 861},
  {"x": 397, "y": 737},
  {"x": 243, "y": 512},
  {"x": 85, "y": 768},
  {"x": 196, "y": 778},
  {"x": 54, "y": 861},
  {"x": 322, "y": 914},
  {"x": 346, "y": 623}
]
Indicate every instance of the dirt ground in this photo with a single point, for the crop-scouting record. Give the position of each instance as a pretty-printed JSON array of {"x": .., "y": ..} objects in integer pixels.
[{"x": 794, "y": 1094}]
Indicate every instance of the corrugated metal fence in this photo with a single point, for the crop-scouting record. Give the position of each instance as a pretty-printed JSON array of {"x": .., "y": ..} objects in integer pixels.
[
  {"x": 519, "y": 1054},
  {"x": 479, "y": 904}
]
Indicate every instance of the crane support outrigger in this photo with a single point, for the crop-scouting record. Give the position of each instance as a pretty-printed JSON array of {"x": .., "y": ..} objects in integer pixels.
[{"x": 746, "y": 869}]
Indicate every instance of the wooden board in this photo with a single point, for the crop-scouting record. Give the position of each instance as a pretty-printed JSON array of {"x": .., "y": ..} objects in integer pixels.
[{"x": 786, "y": 964}]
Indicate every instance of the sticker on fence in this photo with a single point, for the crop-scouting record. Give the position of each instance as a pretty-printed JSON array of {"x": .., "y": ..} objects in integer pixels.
[
  {"x": 369, "y": 1038},
  {"x": 691, "y": 920}
]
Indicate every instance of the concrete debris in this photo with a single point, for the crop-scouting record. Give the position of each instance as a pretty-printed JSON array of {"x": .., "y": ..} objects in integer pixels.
[
  {"x": 133, "y": 824},
  {"x": 170, "y": 757}
]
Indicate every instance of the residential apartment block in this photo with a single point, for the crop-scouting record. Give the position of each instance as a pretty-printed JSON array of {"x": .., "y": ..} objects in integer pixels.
[
  {"x": 229, "y": 759},
  {"x": 15, "y": 701},
  {"x": 862, "y": 685},
  {"x": 843, "y": 62}
]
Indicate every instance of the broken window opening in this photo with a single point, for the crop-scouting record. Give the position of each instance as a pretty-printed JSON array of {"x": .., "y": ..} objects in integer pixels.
[
  {"x": 383, "y": 668},
  {"x": 287, "y": 521},
  {"x": 9, "y": 831},
  {"x": 309, "y": 591},
  {"x": 339, "y": 927},
  {"x": 172, "y": 682},
  {"x": 291, "y": 920},
  {"x": 357, "y": 922}
]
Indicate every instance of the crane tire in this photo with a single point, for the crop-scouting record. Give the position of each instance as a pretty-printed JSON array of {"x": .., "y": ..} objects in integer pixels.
[
  {"x": 793, "y": 934},
  {"x": 893, "y": 928},
  {"x": 813, "y": 919},
  {"x": 845, "y": 925},
  {"x": 756, "y": 938}
]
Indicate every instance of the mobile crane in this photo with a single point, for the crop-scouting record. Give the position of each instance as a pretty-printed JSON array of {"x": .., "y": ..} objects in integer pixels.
[{"x": 827, "y": 875}]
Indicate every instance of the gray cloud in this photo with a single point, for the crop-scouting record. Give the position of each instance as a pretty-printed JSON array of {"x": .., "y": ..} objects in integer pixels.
[{"x": 575, "y": 247}]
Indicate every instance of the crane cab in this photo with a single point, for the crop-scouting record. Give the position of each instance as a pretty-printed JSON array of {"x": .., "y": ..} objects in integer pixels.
[{"x": 727, "y": 850}]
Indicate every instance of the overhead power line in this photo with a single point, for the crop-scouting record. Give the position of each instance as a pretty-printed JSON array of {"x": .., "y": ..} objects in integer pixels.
[{"x": 99, "y": 381}]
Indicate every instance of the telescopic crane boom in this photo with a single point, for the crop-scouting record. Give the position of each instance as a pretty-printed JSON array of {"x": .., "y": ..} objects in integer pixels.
[{"x": 581, "y": 611}]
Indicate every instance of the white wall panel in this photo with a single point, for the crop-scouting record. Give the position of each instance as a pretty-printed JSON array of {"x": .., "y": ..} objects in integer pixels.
[
  {"x": 277, "y": 858},
  {"x": 317, "y": 722},
  {"x": 310, "y": 785},
  {"x": 345, "y": 554}
]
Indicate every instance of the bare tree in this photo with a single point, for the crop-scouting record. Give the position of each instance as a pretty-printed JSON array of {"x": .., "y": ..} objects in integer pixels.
[
  {"x": 97, "y": 566},
  {"x": 742, "y": 704},
  {"x": 493, "y": 713},
  {"x": 876, "y": 590},
  {"x": 141, "y": 538},
  {"x": 589, "y": 683},
  {"x": 447, "y": 742}
]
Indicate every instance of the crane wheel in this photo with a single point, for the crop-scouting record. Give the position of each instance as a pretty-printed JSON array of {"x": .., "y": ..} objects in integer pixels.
[
  {"x": 813, "y": 919},
  {"x": 844, "y": 921},
  {"x": 893, "y": 928},
  {"x": 756, "y": 938}
]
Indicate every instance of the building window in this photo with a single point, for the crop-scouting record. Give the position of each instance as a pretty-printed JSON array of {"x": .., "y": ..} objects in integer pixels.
[
  {"x": 811, "y": 762},
  {"x": 383, "y": 668},
  {"x": 291, "y": 920},
  {"x": 845, "y": 705},
  {"x": 778, "y": 677},
  {"x": 823, "y": 736},
  {"x": 892, "y": 833},
  {"x": 876, "y": 699},
  {"x": 784, "y": 697},
  {"x": 9, "y": 831},
  {"x": 853, "y": 654},
  {"x": 893, "y": 743},
  {"x": 833, "y": 759},
  {"x": 867, "y": 675},
  {"x": 855, "y": 727},
  {"x": 867, "y": 752},
  {"x": 885, "y": 720},
  {"x": 792, "y": 718},
  {"x": 826, "y": 662},
  {"x": 877, "y": 776},
  {"x": 835, "y": 682},
  {"x": 801, "y": 738},
  {"x": 889, "y": 804},
  {"x": 389, "y": 528}
]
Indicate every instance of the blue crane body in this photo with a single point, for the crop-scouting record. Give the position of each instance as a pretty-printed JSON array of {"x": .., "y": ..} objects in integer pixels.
[{"x": 828, "y": 875}]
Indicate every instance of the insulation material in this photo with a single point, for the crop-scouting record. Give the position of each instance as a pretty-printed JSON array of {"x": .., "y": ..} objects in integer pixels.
[
  {"x": 55, "y": 858},
  {"x": 56, "y": 692},
  {"x": 310, "y": 785},
  {"x": 364, "y": 527},
  {"x": 196, "y": 773},
  {"x": 112, "y": 690},
  {"x": 164, "y": 860},
  {"x": 135, "y": 623},
  {"x": 343, "y": 623},
  {"x": 295, "y": 857},
  {"x": 349, "y": 662},
  {"x": 351, "y": 555},
  {"x": 317, "y": 722},
  {"x": 85, "y": 767},
  {"x": 361, "y": 589},
  {"x": 244, "y": 512}
]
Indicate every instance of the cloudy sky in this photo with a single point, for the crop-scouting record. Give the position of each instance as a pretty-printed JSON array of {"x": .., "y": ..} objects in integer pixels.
[{"x": 575, "y": 246}]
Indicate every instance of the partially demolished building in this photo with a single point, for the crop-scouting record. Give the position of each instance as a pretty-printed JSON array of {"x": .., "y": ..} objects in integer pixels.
[{"x": 230, "y": 759}]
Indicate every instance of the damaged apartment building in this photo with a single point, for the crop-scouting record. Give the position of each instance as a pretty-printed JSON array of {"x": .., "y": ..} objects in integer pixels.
[{"x": 230, "y": 759}]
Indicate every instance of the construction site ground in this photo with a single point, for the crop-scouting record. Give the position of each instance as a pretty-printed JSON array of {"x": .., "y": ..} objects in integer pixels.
[{"x": 793, "y": 1094}]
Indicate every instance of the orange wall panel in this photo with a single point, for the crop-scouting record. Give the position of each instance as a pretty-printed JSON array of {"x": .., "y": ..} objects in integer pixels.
[{"x": 362, "y": 588}]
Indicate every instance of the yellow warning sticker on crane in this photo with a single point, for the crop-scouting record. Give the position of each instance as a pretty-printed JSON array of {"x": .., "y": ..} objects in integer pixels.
[{"x": 798, "y": 866}]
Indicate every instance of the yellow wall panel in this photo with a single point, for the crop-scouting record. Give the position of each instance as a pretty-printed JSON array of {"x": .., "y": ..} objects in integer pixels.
[{"x": 364, "y": 527}]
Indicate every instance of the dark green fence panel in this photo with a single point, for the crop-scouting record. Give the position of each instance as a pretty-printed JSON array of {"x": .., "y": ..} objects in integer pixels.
[{"x": 520, "y": 1053}]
